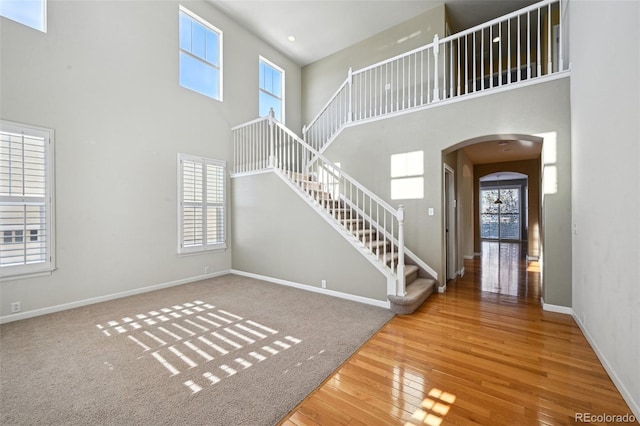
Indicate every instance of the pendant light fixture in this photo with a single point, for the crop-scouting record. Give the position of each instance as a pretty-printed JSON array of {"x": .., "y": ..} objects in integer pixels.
[{"x": 498, "y": 200}]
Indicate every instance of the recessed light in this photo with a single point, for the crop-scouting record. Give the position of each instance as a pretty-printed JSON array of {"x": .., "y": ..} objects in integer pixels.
[
  {"x": 291, "y": 38},
  {"x": 497, "y": 39}
]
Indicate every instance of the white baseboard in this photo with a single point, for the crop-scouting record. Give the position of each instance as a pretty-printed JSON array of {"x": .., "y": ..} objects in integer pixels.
[
  {"x": 626, "y": 394},
  {"x": 533, "y": 258},
  {"x": 478, "y": 254},
  {"x": 91, "y": 301},
  {"x": 442, "y": 288},
  {"x": 557, "y": 308},
  {"x": 461, "y": 272},
  {"x": 468, "y": 256},
  {"x": 380, "y": 303}
]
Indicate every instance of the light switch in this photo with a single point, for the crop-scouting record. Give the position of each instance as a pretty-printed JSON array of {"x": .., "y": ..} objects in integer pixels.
[{"x": 430, "y": 211}]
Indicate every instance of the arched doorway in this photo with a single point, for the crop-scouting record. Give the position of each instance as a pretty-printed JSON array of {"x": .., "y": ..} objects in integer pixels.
[{"x": 509, "y": 165}]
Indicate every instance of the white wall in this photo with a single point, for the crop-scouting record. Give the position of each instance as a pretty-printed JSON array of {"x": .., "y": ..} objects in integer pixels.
[
  {"x": 105, "y": 78},
  {"x": 278, "y": 235},
  {"x": 605, "y": 110}
]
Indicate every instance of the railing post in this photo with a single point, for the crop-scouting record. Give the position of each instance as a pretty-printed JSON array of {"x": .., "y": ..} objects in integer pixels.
[
  {"x": 272, "y": 143},
  {"x": 304, "y": 132},
  {"x": 436, "y": 50},
  {"x": 350, "y": 85},
  {"x": 401, "y": 290}
]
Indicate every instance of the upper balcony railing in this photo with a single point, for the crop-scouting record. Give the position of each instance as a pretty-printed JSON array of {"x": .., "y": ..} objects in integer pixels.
[{"x": 521, "y": 46}]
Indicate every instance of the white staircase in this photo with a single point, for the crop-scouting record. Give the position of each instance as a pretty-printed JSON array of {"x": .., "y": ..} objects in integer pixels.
[{"x": 371, "y": 225}]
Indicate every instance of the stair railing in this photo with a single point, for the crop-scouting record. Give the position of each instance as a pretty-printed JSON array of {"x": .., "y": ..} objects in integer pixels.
[
  {"x": 266, "y": 144},
  {"x": 520, "y": 46}
]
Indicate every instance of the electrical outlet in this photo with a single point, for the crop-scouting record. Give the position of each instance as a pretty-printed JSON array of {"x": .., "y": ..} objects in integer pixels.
[
  {"x": 15, "y": 307},
  {"x": 324, "y": 283},
  {"x": 206, "y": 269}
]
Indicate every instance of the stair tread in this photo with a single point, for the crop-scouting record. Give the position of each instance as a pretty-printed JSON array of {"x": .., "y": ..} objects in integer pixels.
[{"x": 418, "y": 285}]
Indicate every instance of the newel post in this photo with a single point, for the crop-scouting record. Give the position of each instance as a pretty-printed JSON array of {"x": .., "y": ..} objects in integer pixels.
[
  {"x": 436, "y": 50},
  {"x": 401, "y": 289},
  {"x": 272, "y": 143},
  {"x": 350, "y": 95}
]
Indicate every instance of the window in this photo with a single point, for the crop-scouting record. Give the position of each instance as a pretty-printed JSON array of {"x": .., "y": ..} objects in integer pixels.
[
  {"x": 200, "y": 55},
  {"x": 407, "y": 170},
  {"x": 32, "y": 13},
  {"x": 26, "y": 199},
  {"x": 201, "y": 215},
  {"x": 500, "y": 221},
  {"x": 271, "y": 90}
]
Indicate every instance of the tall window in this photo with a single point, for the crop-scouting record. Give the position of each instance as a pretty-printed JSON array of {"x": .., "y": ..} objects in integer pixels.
[
  {"x": 200, "y": 55},
  {"x": 407, "y": 170},
  {"x": 271, "y": 89},
  {"x": 500, "y": 221},
  {"x": 26, "y": 199},
  {"x": 32, "y": 13},
  {"x": 201, "y": 221}
]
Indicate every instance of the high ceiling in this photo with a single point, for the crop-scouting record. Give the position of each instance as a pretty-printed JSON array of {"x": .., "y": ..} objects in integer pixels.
[{"x": 323, "y": 27}]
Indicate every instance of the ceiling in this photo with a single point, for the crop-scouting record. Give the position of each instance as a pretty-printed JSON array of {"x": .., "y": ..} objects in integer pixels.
[
  {"x": 503, "y": 150},
  {"x": 323, "y": 27}
]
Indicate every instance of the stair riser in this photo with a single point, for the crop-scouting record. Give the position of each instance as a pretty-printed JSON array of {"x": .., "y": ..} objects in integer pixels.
[{"x": 411, "y": 278}]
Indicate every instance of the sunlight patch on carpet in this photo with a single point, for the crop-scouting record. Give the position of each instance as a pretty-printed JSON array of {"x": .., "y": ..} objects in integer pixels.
[{"x": 193, "y": 334}]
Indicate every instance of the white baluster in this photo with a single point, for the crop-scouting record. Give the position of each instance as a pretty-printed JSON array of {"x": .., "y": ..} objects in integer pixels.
[
  {"x": 436, "y": 50},
  {"x": 422, "y": 77},
  {"x": 528, "y": 46},
  {"x": 400, "y": 274},
  {"x": 509, "y": 52},
  {"x": 500, "y": 54},
  {"x": 272, "y": 151},
  {"x": 482, "y": 59},
  {"x": 549, "y": 37},
  {"x": 560, "y": 57},
  {"x": 451, "y": 82},
  {"x": 458, "y": 67},
  {"x": 466, "y": 65},
  {"x": 491, "y": 56}
]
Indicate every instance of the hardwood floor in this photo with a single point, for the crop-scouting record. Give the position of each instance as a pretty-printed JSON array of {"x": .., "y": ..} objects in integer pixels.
[{"x": 484, "y": 352}]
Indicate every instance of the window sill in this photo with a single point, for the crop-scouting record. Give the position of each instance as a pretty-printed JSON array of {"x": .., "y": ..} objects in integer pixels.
[
  {"x": 191, "y": 252},
  {"x": 26, "y": 275}
]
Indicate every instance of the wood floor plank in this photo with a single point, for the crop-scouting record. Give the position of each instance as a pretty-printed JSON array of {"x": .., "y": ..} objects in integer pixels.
[{"x": 482, "y": 353}]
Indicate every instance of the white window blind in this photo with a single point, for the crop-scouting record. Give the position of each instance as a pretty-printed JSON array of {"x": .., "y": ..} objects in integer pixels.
[
  {"x": 202, "y": 216},
  {"x": 26, "y": 213}
]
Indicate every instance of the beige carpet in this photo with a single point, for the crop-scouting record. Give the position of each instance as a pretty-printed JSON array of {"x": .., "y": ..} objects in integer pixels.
[{"x": 224, "y": 351}]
